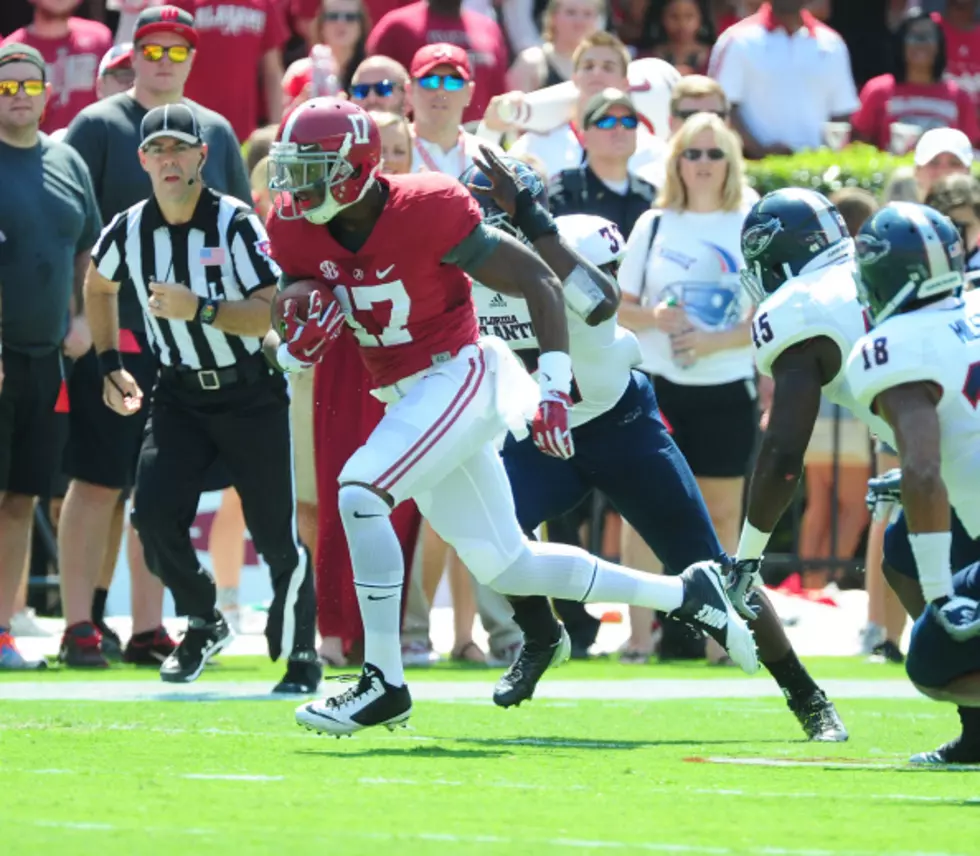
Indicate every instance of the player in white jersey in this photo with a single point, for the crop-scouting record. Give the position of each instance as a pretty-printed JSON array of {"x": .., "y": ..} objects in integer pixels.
[
  {"x": 621, "y": 447},
  {"x": 801, "y": 273},
  {"x": 919, "y": 368}
]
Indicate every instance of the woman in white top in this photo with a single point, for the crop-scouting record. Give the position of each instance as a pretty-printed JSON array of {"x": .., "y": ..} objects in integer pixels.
[{"x": 682, "y": 297}]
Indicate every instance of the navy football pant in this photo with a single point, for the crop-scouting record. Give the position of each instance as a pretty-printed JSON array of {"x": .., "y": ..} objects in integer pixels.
[
  {"x": 934, "y": 658},
  {"x": 628, "y": 455}
]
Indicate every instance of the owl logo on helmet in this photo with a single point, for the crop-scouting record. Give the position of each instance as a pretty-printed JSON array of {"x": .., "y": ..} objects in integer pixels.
[
  {"x": 759, "y": 237},
  {"x": 871, "y": 249},
  {"x": 325, "y": 158}
]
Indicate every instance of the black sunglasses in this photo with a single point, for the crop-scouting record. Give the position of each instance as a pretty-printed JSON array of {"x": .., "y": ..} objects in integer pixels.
[
  {"x": 700, "y": 154},
  {"x": 349, "y": 17},
  {"x": 383, "y": 88},
  {"x": 684, "y": 115}
]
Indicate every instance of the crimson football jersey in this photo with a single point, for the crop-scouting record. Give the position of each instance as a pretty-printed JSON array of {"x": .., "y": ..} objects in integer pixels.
[{"x": 407, "y": 309}]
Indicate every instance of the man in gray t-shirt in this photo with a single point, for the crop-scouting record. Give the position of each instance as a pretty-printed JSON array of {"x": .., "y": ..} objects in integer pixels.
[
  {"x": 103, "y": 446},
  {"x": 49, "y": 222}
]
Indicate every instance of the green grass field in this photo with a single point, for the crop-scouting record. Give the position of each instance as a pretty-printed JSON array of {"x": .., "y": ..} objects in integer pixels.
[{"x": 580, "y": 775}]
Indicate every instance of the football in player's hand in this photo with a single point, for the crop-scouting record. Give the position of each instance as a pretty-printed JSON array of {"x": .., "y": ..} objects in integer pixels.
[{"x": 299, "y": 291}]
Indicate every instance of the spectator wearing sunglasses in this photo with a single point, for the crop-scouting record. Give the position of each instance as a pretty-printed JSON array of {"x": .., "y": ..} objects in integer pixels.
[
  {"x": 342, "y": 26},
  {"x": 49, "y": 222},
  {"x": 682, "y": 297},
  {"x": 917, "y": 93},
  {"x": 380, "y": 83},
  {"x": 71, "y": 48},
  {"x": 600, "y": 61},
  {"x": 403, "y": 32},
  {"x": 103, "y": 446},
  {"x": 603, "y": 184},
  {"x": 441, "y": 89},
  {"x": 237, "y": 40}
]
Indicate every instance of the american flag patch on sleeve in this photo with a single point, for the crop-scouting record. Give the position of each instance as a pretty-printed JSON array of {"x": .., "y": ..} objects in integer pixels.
[{"x": 212, "y": 256}]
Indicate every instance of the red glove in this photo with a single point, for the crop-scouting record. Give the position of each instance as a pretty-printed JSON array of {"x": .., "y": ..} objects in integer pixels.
[
  {"x": 550, "y": 425},
  {"x": 307, "y": 341}
]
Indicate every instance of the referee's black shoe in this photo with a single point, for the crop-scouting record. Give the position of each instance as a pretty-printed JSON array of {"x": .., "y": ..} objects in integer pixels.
[
  {"x": 517, "y": 684},
  {"x": 303, "y": 674},
  {"x": 204, "y": 638}
]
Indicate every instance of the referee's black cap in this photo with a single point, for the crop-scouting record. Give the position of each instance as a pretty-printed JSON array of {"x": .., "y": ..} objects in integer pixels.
[{"x": 176, "y": 121}]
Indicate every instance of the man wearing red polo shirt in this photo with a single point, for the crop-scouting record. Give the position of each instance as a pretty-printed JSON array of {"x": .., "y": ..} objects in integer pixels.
[
  {"x": 237, "y": 39},
  {"x": 72, "y": 48},
  {"x": 402, "y": 32}
]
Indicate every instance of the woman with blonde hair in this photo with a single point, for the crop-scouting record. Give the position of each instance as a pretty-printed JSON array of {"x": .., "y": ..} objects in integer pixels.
[
  {"x": 565, "y": 24},
  {"x": 682, "y": 297}
]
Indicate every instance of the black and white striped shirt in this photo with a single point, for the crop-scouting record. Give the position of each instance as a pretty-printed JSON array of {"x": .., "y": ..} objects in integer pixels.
[{"x": 221, "y": 253}]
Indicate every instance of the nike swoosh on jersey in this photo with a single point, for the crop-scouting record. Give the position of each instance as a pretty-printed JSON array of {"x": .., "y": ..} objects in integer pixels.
[{"x": 383, "y": 273}]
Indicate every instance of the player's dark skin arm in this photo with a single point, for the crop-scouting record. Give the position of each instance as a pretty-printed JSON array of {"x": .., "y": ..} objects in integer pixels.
[
  {"x": 911, "y": 411},
  {"x": 798, "y": 374},
  {"x": 562, "y": 259},
  {"x": 512, "y": 269}
]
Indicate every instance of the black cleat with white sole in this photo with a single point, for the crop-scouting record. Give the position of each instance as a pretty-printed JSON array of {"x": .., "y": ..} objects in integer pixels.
[
  {"x": 204, "y": 638},
  {"x": 518, "y": 682},
  {"x": 372, "y": 702},
  {"x": 819, "y": 718},
  {"x": 707, "y": 607},
  {"x": 954, "y": 753}
]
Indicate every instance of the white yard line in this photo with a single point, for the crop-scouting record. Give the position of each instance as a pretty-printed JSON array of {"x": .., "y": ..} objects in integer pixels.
[
  {"x": 231, "y": 777},
  {"x": 453, "y": 691},
  {"x": 556, "y": 843}
]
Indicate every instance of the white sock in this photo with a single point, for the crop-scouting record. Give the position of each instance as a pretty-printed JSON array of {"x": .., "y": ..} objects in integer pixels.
[
  {"x": 379, "y": 573},
  {"x": 558, "y": 570}
]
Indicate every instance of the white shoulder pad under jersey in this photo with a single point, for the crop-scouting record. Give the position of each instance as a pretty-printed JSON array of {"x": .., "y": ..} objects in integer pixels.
[
  {"x": 596, "y": 239},
  {"x": 938, "y": 344},
  {"x": 822, "y": 303}
]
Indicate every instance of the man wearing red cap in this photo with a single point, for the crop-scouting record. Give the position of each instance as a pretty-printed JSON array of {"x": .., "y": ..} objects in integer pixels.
[
  {"x": 401, "y": 33},
  {"x": 442, "y": 89},
  {"x": 72, "y": 48}
]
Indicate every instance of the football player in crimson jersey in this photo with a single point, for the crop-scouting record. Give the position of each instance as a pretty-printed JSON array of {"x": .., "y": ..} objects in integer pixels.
[{"x": 395, "y": 252}]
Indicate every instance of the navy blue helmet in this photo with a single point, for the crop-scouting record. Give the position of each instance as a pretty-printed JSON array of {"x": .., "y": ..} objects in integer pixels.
[
  {"x": 786, "y": 231},
  {"x": 493, "y": 215},
  {"x": 906, "y": 254}
]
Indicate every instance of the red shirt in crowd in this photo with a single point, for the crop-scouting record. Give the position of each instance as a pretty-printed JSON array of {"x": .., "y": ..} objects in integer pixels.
[
  {"x": 233, "y": 36},
  {"x": 400, "y": 33},
  {"x": 928, "y": 105},
  {"x": 73, "y": 66},
  {"x": 962, "y": 58}
]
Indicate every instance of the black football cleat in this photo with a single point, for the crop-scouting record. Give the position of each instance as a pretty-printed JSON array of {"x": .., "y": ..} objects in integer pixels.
[
  {"x": 372, "y": 702},
  {"x": 303, "y": 674},
  {"x": 111, "y": 643},
  {"x": 201, "y": 642},
  {"x": 819, "y": 718},
  {"x": 517, "y": 684},
  {"x": 707, "y": 608},
  {"x": 957, "y": 751}
]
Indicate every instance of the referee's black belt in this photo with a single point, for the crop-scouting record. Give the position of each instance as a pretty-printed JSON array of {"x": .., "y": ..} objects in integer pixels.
[{"x": 208, "y": 380}]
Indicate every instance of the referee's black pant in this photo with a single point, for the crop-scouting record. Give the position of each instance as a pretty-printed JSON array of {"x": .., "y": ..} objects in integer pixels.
[{"x": 244, "y": 426}]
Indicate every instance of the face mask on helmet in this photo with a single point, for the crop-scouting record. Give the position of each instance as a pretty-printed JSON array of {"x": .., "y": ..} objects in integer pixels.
[{"x": 303, "y": 181}]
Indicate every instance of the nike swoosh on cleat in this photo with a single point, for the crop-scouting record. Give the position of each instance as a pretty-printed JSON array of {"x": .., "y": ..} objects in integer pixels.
[
  {"x": 383, "y": 597},
  {"x": 360, "y": 516}
]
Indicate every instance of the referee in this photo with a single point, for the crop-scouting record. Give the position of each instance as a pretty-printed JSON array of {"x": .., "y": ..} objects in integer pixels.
[{"x": 197, "y": 261}]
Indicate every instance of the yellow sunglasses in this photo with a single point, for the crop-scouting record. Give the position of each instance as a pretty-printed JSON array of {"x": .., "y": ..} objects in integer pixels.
[
  {"x": 176, "y": 53},
  {"x": 30, "y": 87}
]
